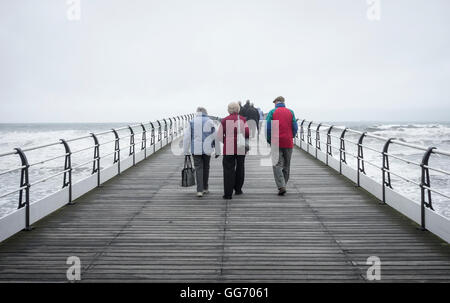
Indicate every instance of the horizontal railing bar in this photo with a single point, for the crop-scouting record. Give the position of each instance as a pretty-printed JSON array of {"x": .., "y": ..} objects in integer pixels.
[
  {"x": 79, "y": 138},
  {"x": 401, "y": 159},
  {"x": 437, "y": 169},
  {"x": 437, "y": 192},
  {"x": 440, "y": 152},
  {"x": 107, "y": 142},
  {"x": 41, "y": 146},
  {"x": 47, "y": 160},
  {"x": 401, "y": 177},
  {"x": 85, "y": 163},
  {"x": 104, "y": 133},
  {"x": 83, "y": 149},
  {"x": 422, "y": 148},
  {"x": 107, "y": 155},
  {"x": 50, "y": 177},
  {"x": 12, "y": 192},
  {"x": 8, "y": 154},
  {"x": 11, "y": 170},
  {"x": 372, "y": 164},
  {"x": 371, "y": 149}
]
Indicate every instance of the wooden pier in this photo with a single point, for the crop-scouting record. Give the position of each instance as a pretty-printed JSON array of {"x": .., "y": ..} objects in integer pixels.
[{"x": 143, "y": 227}]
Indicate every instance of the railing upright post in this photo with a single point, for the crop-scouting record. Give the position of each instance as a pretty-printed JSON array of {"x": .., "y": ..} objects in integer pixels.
[
  {"x": 386, "y": 176},
  {"x": 152, "y": 137},
  {"x": 67, "y": 182},
  {"x": 96, "y": 162},
  {"x": 117, "y": 150},
  {"x": 425, "y": 182},
  {"x": 360, "y": 158},
  {"x": 165, "y": 130},
  {"x": 342, "y": 155},
  {"x": 132, "y": 145},
  {"x": 24, "y": 185},
  {"x": 302, "y": 132},
  {"x": 144, "y": 140},
  {"x": 170, "y": 129},
  {"x": 329, "y": 149},
  {"x": 178, "y": 129},
  {"x": 309, "y": 139},
  {"x": 159, "y": 133},
  {"x": 318, "y": 138}
]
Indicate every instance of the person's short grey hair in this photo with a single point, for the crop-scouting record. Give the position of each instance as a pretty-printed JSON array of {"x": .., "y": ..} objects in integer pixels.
[
  {"x": 233, "y": 108},
  {"x": 202, "y": 110}
]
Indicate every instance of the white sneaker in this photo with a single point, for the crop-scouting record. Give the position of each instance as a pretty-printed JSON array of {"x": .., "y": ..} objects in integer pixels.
[
  {"x": 199, "y": 194},
  {"x": 206, "y": 192}
]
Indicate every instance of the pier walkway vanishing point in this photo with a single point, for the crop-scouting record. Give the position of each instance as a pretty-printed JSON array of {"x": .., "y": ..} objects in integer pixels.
[{"x": 142, "y": 226}]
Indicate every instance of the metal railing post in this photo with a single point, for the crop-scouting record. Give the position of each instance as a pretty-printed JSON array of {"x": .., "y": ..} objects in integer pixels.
[
  {"x": 144, "y": 141},
  {"x": 302, "y": 131},
  {"x": 159, "y": 133},
  {"x": 386, "y": 176},
  {"x": 309, "y": 137},
  {"x": 117, "y": 150},
  {"x": 178, "y": 129},
  {"x": 152, "y": 137},
  {"x": 329, "y": 149},
  {"x": 24, "y": 185},
  {"x": 96, "y": 163},
  {"x": 171, "y": 129},
  {"x": 425, "y": 182},
  {"x": 342, "y": 155},
  {"x": 318, "y": 138},
  {"x": 360, "y": 158},
  {"x": 132, "y": 145},
  {"x": 67, "y": 182},
  {"x": 165, "y": 129}
]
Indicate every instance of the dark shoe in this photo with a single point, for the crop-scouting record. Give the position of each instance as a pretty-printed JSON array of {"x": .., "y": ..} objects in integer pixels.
[
  {"x": 227, "y": 198},
  {"x": 282, "y": 191},
  {"x": 237, "y": 193}
]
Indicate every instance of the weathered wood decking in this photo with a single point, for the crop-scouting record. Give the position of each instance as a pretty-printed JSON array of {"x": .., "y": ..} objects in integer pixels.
[{"x": 143, "y": 227}]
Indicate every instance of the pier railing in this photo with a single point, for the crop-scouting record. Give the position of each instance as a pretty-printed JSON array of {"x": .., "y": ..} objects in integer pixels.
[
  {"x": 141, "y": 141},
  {"x": 309, "y": 138}
]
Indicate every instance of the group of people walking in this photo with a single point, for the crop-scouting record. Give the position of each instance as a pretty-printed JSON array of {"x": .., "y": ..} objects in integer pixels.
[{"x": 201, "y": 139}]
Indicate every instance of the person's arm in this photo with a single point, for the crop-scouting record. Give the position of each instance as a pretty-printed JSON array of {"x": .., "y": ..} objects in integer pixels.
[
  {"x": 269, "y": 126},
  {"x": 246, "y": 129},
  {"x": 294, "y": 125},
  {"x": 187, "y": 140},
  {"x": 219, "y": 138}
]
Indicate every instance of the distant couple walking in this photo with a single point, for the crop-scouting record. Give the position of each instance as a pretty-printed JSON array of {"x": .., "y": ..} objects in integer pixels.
[{"x": 202, "y": 140}]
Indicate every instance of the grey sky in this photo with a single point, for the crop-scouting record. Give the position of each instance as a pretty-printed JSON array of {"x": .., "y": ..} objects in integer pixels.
[{"x": 142, "y": 60}]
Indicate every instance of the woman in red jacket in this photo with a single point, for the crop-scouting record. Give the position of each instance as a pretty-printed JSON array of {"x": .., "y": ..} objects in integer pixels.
[{"x": 233, "y": 133}]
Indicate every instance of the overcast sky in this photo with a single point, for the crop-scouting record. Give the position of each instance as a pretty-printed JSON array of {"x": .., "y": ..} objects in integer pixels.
[{"x": 142, "y": 60}]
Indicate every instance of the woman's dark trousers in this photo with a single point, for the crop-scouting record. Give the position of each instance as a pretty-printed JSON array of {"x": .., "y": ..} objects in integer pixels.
[{"x": 233, "y": 173}]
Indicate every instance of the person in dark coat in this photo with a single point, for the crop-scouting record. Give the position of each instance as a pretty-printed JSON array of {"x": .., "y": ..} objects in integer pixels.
[{"x": 251, "y": 114}]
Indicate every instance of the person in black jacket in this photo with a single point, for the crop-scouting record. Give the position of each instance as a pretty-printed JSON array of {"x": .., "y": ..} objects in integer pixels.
[{"x": 251, "y": 114}]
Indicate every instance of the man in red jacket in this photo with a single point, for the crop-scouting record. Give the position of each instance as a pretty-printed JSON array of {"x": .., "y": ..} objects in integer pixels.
[{"x": 281, "y": 130}]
